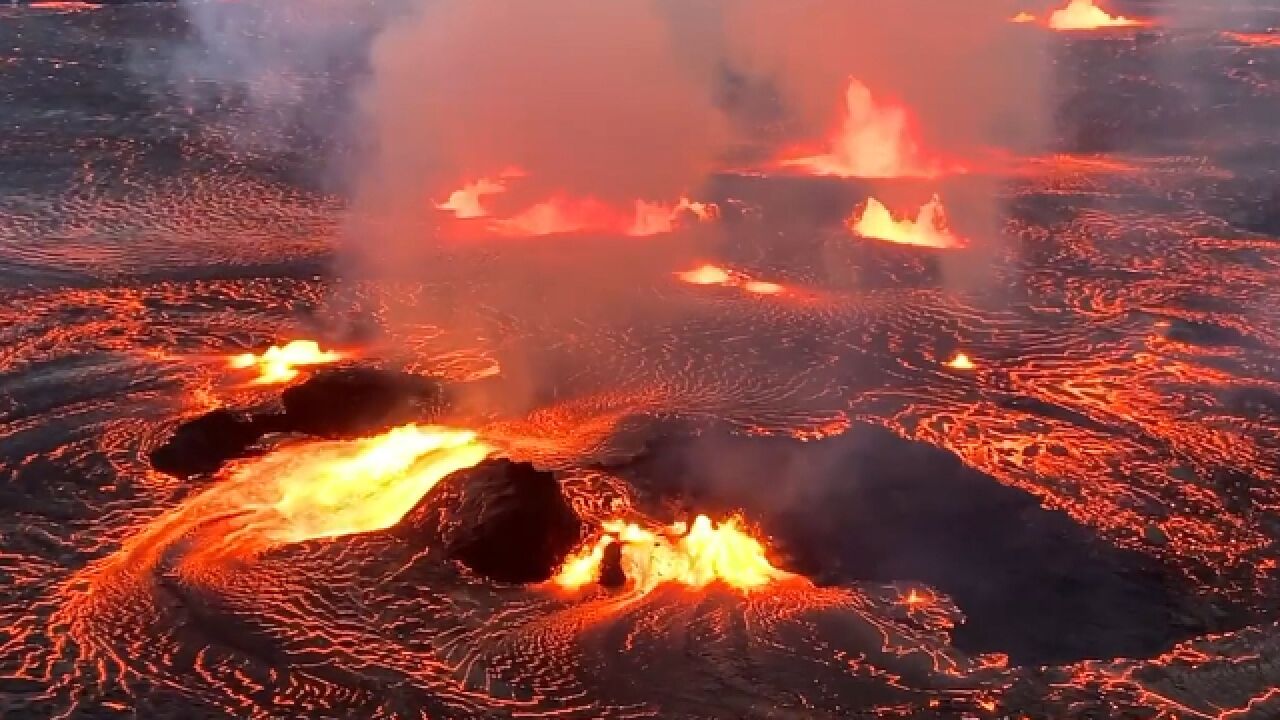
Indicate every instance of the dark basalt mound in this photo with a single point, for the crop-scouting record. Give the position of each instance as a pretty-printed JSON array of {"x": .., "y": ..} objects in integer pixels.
[
  {"x": 511, "y": 523},
  {"x": 871, "y": 506},
  {"x": 357, "y": 401},
  {"x": 204, "y": 444},
  {"x": 611, "y": 572},
  {"x": 342, "y": 403}
]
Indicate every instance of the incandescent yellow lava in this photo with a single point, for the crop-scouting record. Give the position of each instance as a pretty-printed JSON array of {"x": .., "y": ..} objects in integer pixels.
[
  {"x": 693, "y": 556},
  {"x": 280, "y": 363},
  {"x": 930, "y": 228},
  {"x": 330, "y": 489}
]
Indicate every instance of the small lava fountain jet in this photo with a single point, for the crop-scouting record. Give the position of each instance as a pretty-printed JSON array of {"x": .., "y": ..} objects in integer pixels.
[
  {"x": 694, "y": 556},
  {"x": 960, "y": 361},
  {"x": 1084, "y": 15},
  {"x": 562, "y": 213},
  {"x": 876, "y": 139},
  {"x": 280, "y": 363},
  {"x": 708, "y": 274},
  {"x": 929, "y": 229}
]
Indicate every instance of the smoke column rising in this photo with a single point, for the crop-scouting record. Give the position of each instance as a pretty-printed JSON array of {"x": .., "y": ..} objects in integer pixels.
[{"x": 616, "y": 101}]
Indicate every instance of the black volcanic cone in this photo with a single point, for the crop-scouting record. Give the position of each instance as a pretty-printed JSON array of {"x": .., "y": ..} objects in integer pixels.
[
  {"x": 202, "y": 445},
  {"x": 343, "y": 403},
  {"x": 356, "y": 401},
  {"x": 512, "y": 523}
]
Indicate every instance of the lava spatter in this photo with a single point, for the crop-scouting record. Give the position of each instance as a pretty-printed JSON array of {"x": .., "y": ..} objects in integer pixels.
[
  {"x": 694, "y": 555},
  {"x": 877, "y": 138},
  {"x": 281, "y": 363},
  {"x": 930, "y": 228},
  {"x": 1085, "y": 15}
]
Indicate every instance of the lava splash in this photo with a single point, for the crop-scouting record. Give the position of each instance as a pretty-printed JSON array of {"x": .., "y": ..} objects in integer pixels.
[
  {"x": 930, "y": 228},
  {"x": 876, "y": 139},
  {"x": 694, "y": 555},
  {"x": 1084, "y": 15},
  {"x": 280, "y": 363},
  {"x": 563, "y": 213},
  {"x": 708, "y": 274}
]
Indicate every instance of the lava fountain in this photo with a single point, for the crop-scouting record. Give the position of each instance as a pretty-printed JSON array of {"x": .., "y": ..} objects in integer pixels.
[
  {"x": 694, "y": 556},
  {"x": 1084, "y": 15},
  {"x": 280, "y": 363},
  {"x": 563, "y": 213},
  {"x": 708, "y": 274},
  {"x": 876, "y": 139},
  {"x": 930, "y": 228}
]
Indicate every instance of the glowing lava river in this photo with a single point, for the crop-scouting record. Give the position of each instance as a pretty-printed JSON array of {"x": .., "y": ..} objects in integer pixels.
[{"x": 785, "y": 460}]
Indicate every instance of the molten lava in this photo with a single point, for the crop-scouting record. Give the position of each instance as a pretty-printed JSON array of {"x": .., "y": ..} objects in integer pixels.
[
  {"x": 876, "y": 139},
  {"x": 693, "y": 556},
  {"x": 563, "y": 213},
  {"x": 334, "y": 488},
  {"x": 1084, "y": 15},
  {"x": 1023, "y": 17},
  {"x": 708, "y": 274},
  {"x": 760, "y": 287},
  {"x": 960, "y": 362},
  {"x": 1271, "y": 40},
  {"x": 279, "y": 364},
  {"x": 929, "y": 229}
]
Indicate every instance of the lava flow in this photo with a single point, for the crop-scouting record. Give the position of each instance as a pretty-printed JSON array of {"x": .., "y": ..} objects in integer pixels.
[
  {"x": 929, "y": 229},
  {"x": 1269, "y": 40},
  {"x": 1084, "y": 15},
  {"x": 693, "y": 556},
  {"x": 322, "y": 489},
  {"x": 330, "y": 489},
  {"x": 876, "y": 139},
  {"x": 280, "y": 363}
]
